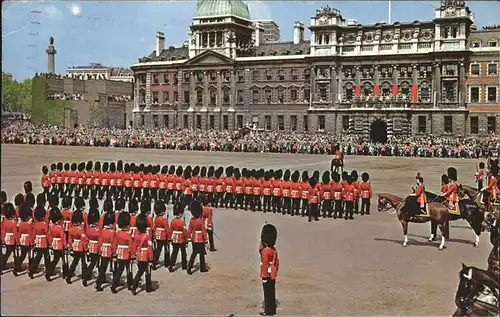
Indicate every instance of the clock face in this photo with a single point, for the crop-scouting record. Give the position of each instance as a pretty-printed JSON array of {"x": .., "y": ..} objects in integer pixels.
[
  {"x": 323, "y": 20},
  {"x": 450, "y": 12}
]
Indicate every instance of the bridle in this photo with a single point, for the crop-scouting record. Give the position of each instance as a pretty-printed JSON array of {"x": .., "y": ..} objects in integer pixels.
[{"x": 384, "y": 205}]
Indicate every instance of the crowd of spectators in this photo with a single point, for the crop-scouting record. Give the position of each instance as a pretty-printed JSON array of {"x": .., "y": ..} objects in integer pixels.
[
  {"x": 120, "y": 98},
  {"x": 68, "y": 96},
  {"x": 247, "y": 140}
]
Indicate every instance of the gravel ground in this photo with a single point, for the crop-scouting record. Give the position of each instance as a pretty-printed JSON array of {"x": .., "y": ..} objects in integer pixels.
[{"x": 330, "y": 267}]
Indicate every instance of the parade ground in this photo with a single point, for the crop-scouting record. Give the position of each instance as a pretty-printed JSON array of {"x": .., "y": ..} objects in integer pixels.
[{"x": 330, "y": 267}]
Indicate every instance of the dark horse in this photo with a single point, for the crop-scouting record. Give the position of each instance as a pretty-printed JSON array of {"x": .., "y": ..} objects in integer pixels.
[
  {"x": 477, "y": 293},
  {"x": 477, "y": 197},
  {"x": 438, "y": 214},
  {"x": 337, "y": 164}
]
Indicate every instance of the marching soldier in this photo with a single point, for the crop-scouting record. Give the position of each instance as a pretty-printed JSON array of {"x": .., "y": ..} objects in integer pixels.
[
  {"x": 18, "y": 202},
  {"x": 219, "y": 188},
  {"x": 161, "y": 233},
  {"x": 154, "y": 182},
  {"x": 269, "y": 265},
  {"x": 96, "y": 175},
  {"x": 202, "y": 187},
  {"x": 197, "y": 235},
  {"x": 286, "y": 193},
  {"x": 137, "y": 181},
  {"x": 145, "y": 212},
  {"x": 178, "y": 185},
  {"x": 355, "y": 184},
  {"x": 295, "y": 189},
  {"x": 248, "y": 179},
  {"x": 66, "y": 177},
  {"x": 145, "y": 177},
  {"x": 59, "y": 179},
  {"x": 45, "y": 181},
  {"x": 66, "y": 214},
  {"x": 80, "y": 179},
  {"x": 133, "y": 208},
  {"x": 304, "y": 189},
  {"x": 492, "y": 187},
  {"x": 239, "y": 190},
  {"x": 94, "y": 237},
  {"x": 120, "y": 179},
  {"x": 211, "y": 179},
  {"x": 179, "y": 237},
  {"x": 257, "y": 190},
  {"x": 314, "y": 199},
  {"x": 25, "y": 237},
  {"x": 207, "y": 216},
  {"x": 480, "y": 176},
  {"x": 28, "y": 189},
  {"x": 276, "y": 185},
  {"x": 40, "y": 233},
  {"x": 73, "y": 180},
  {"x": 444, "y": 184},
  {"x": 58, "y": 243},
  {"x": 127, "y": 182},
  {"x": 267, "y": 190},
  {"x": 103, "y": 248},
  {"x": 53, "y": 179},
  {"x": 195, "y": 181},
  {"x": 349, "y": 198},
  {"x": 421, "y": 196},
  {"x": 113, "y": 175},
  {"x": 365, "y": 190},
  {"x": 143, "y": 253},
  {"x": 229, "y": 186},
  {"x": 89, "y": 182},
  {"x": 452, "y": 193},
  {"x": 123, "y": 250},
  {"x": 337, "y": 190},
  {"x": 77, "y": 242},
  {"x": 186, "y": 187},
  {"x": 326, "y": 194},
  {"x": 162, "y": 183},
  {"x": 9, "y": 234}
]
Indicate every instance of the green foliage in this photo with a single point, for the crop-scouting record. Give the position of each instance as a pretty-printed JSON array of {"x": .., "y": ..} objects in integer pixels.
[
  {"x": 16, "y": 94},
  {"x": 44, "y": 110}
]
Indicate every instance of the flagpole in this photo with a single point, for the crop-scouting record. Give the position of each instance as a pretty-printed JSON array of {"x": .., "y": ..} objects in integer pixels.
[{"x": 390, "y": 11}]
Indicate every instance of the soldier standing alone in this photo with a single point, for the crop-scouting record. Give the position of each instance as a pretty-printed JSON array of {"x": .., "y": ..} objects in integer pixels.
[{"x": 269, "y": 265}]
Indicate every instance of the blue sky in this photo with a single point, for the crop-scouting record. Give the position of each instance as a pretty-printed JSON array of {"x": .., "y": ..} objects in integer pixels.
[{"x": 118, "y": 33}]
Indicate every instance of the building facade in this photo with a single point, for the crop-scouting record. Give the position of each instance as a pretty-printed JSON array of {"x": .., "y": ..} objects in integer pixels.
[
  {"x": 271, "y": 31},
  {"x": 374, "y": 81},
  {"x": 98, "y": 71}
]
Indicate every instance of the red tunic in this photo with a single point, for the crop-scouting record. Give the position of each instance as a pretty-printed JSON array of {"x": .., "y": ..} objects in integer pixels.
[
  {"x": 89, "y": 178},
  {"x": 248, "y": 184},
  {"x": 162, "y": 181},
  {"x": 25, "y": 236},
  {"x": 136, "y": 180},
  {"x": 195, "y": 182},
  {"x": 9, "y": 232},
  {"x": 120, "y": 178},
  {"x": 349, "y": 192},
  {"x": 186, "y": 187},
  {"x": 365, "y": 190},
  {"x": 40, "y": 232},
  {"x": 257, "y": 187},
  {"x": 171, "y": 182},
  {"x": 197, "y": 232},
  {"x": 452, "y": 193},
  {"x": 295, "y": 190},
  {"x": 314, "y": 196},
  {"x": 143, "y": 249},
  {"x": 493, "y": 186},
  {"x": 276, "y": 183},
  {"x": 285, "y": 188},
  {"x": 178, "y": 182},
  {"x": 179, "y": 232},
  {"x": 123, "y": 245},
  {"x": 326, "y": 191},
  {"x": 267, "y": 188},
  {"x": 45, "y": 181},
  {"x": 53, "y": 177},
  {"x": 269, "y": 263},
  {"x": 153, "y": 181},
  {"x": 94, "y": 237},
  {"x": 238, "y": 186},
  {"x": 77, "y": 239},
  {"x": 107, "y": 242},
  {"x": 444, "y": 189},
  {"x": 304, "y": 190},
  {"x": 127, "y": 180},
  {"x": 97, "y": 178},
  {"x": 202, "y": 184},
  {"x": 161, "y": 228},
  {"x": 336, "y": 190},
  {"x": 207, "y": 216},
  {"x": 105, "y": 179},
  {"x": 57, "y": 238},
  {"x": 66, "y": 221},
  {"x": 145, "y": 180},
  {"x": 355, "y": 184},
  {"x": 229, "y": 183},
  {"x": 73, "y": 178},
  {"x": 219, "y": 187}
]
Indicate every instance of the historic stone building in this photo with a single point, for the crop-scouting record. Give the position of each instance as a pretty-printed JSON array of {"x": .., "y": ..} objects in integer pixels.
[{"x": 404, "y": 78}]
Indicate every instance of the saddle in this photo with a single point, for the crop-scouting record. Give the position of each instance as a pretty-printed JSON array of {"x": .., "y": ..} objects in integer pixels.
[
  {"x": 413, "y": 209},
  {"x": 453, "y": 209}
]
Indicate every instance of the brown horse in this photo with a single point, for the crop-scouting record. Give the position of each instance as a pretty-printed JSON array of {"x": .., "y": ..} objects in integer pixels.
[
  {"x": 438, "y": 215},
  {"x": 337, "y": 164}
]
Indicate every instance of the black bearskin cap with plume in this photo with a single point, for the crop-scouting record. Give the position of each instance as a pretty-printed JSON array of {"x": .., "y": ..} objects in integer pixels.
[
  {"x": 365, "y": 177},
  {"x": 79, "y": 203},
  {"x": 66, "y": 166},
  {"x": 97, "y": 166},
  {"x": 107, "y": 205},
  {"x": 305, "y": 176},
  {"x": 93, "y": 203},
  {"x": 123, "y": 220},
  {"x": 81, "y": 166},
  {"x": 236, "y": 173},
  {"x": 171, "y": 169},
  {"x": 326, "y": 177},
  {"x": 452, "y": 173},
  {"x": 53, "y": 201},
  {"x": 105, "y": 167},
  {"x": 45, "y": 170},
  {"x": 316, "y": 175},
  {"x": 345, "y": 174},
  {"x": 40, "y": 199},
  {"x": 53, "y": 167},
  {"x": 145, "y": 206},
  {"x": 278, "y": 174},
  {"x": 67, "y": 201},
  {"x": 119, "y": 166},
  {"x": 444, "y": 179},
  {"x": 210, "y": 171},
  {"x": 73, "y": 167},
  {"x": 229, "y": 171},
  {"x": 267, "y": 175},
  {"x": 60, "y": 166},
  {"x": 481, "y": 164},
  {"x": 219, "y": 172},
  {"x": 354, "y": 175},
  {"x": 196, "y": 171},
  {"x": 178, "y": 171},
  {"x": 295, "y": 176},
  {"x": 335, "y": 177},
  {"x": 160, "y": 207},
  {"x": 313, "y": 182},
  {"x": 164, "y": 169},
  {"x": 203, "y": 171},
  {"x": 196, "y": 208},
  {"x": 19, "y": 200},
  {"x": 126, "y": 168},
  {"x": 120, "y": 204},
  {"x": 28, "y": 187},
  {"x": 286, "y": 176},
  {"x": 187, "y": 172},
  {"x": 268, "y": 235},
  {"x": 112, "y": 167}
]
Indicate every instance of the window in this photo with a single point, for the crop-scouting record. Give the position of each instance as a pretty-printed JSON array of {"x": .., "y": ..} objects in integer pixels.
[
  {"x": 281, "y": 95},
  {"x": 267, "y": 122},
  {"x": 142, "y": 119},
  {"x": 225, "y": 122},
  {"x": 321, "y": 122},
  {"x": 492, "y": 43},
  {"x": 255, "y": 96},
  {"x": 239, "y": 96},
  {"x": 186, "y": 96},
  {"x": 225, "y": 96},
  {"x": 425, "y": 95},
  {"x": 176, "y": 96},
  {"x": 281, "y": 74},
  {"x": 474, "y": 125},
  {"x": 422, "y": 124},
  {"x": 293, "y": 94},
  {"x": 185, "y": 121},
  {"x": 492, "y": 94},
  {"x": 166, "y": 78},
  {"x": 199, "y": 96},
  {"x": 281, "y": 123},
  {"x": 213, "y": 97},
  {"x": 198, "y": 121},
  {"x": 155, "y": 97},
  {"x": 306, "y": 123},
  {"x": 199, "y": 77},
  {"x": 176, "y": 79},
  {"x": 448, "y": 124},
  {"x": 492, "y": 124},
  {"x": 166, "y": 98},
  {"x": 294, "y": 74},
  {"x": 155, "y": 120},
  {"x": 240, "y": 76},
  {"x": 165, "y": 121},
  {"x": 213, "y": 76},
  {"x": 307, "y": 95},
  {"x": 155, "y": 79},
  {"x": 474, "y": 94},
  {"x": 345, "y": 124},
  {"x": 475, "y": 69},
  {"x": 239, "y": 121},
  {"x": 227, "y": 76},
  {"x": 186, "y": 77},
  {"x": 269, "y": 75},
  {"x": 255, "y": 75},
  {"x": 476, "y": 44},
  {"x": 492, "y": 70},
  {"x": 322, "y": 94},
  {"x": 307, "y": 74},
  {"x": 211, "y": 122},
  {"x": 293, "y": 123},
  {"x": 268, "y": 95}
]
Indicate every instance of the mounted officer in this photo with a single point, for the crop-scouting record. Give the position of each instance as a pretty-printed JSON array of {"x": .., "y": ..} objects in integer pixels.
[
  {"x": 421, "y": 196},
  {"x": 452, "y": 193}
]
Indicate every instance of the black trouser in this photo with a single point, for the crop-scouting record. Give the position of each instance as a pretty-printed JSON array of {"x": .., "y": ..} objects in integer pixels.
[
  {"x": 169, "y": 195},
  {"x": 349, "y": 209},
  {"x": 143, "y": 266},
  {"x": 19, "y": 260},
  {"x": 267, "y": 203},
  {"x": 229, "y": 200},
  {"x": 46, "y": 192},
  {"x": 103, "y": 267},
  {"x": 365, "y": 206},
  {"x": 94, "y": 191},
  {"x": 257, "y": 203},
  {"x": 112, "y": 192},
  {"x": 338, "y": 208},
  {"x": 121, "y": 265},
  {"x": 479, "y": 185},
  {"x": 175, "y": 250},
  {"x": 128, "y": 193},
  {"x": 58, "y": 255},
  {"x": 269, "y": 286},
  {"x": 137, "y": 193},
  {"x": 10, "y": 249},
  {"x": 327, "y": 208},
  {"x": 162, "y": 195},
  {"x": 218, "y": 199},
  {"x": 186, "y": 201},
  {"x": 103, "y": 191},
  {"x": 77, "y": 257},
  {"x": 248, "y": 200},
  {"x": 196, "y": 194},
  {"x": 60, "y": 189},
  {"x": 313, "y": 211},
  {"x": 198, "y": 248},
  {"x": 94, "y": 262},
  {"x": 178, "y": 196},
  {"x": 239, "y": 201},
  {"x": 295, "y": 207},
  {"x": 71, "y": 188},
  {"x": 145, "y": 193},
  {"x": 86, "y": 191},
  {"x": 210, "y": 233},
  {"x": 305, "y": 207},
  {"x": 287, "y": 205},
  {"x": 276, "y": 204},
  {"x": 355, "y": 204},
  {"x": 38, "y": 253},
  {"x": 78, "y": 190},
  {"x": 209, "y": 198},
  {"x": 119, "y": 191},
  {"x": 162, "y": 244},
  {"x": 154, "y": 193}
]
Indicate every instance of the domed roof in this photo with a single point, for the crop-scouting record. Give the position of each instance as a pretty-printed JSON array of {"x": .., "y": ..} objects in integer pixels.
[{"x": 206, "y": 8}]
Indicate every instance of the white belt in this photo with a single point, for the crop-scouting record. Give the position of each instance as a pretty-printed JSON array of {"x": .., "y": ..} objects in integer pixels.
[
  {"x": 176, "y": 232},
  {"x": 24, "y": 235},
  {"x": 40, "y": 236},
  {"x": 77, "y": 241},
  {"x": 106, "y": 244},
  {"x": 144, "y": 249},
  {"x": 198, "y": 232},
  {"x": 160, "y": 229},
  {"x": 8, "y": 234},
  {"x": 56, "y": 239},
  {"x": 123, "y": 247}
]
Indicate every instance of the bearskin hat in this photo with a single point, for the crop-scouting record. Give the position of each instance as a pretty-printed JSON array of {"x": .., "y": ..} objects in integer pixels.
[
  {"x": 28, "y": 187},
  {"x": 55, "y": 215},
  {"x": 158, "y": 168},
  {"x": 452, "y": 173},
  {"x": 81, "y": 166},
  {"x": 267, "y": 175},
  {"x": 67, "y": 201},
  {"x": 25, "y": 212},
  {"x": 93, "y": 216},
  {"x": 254, "y": 173},
  {"x": 326, "y": 177},
  {"x": 107, "y": 205},
  {"x": 93, "y": 203},
  {"x": 3, "y": 196},
  {"x": 66, "y": 166},
  {"x": 89, "y": 166},
  {"x": 105, "y": 167},
  {"x": 132, "y": 167},
  {"x": 142, "y": 168},
  {"x": 147, "y": 169},
  {"x": 349, "y": 179},
  {"x": 126, "y": 168},
  {"x": 305, "y": 176},
  {"x": 164, "y": 169},
  {"x": 187, "y": 172},
  {"x": 196, "y": 208},
  {"x": 160, "y": 208},
  {"x": 481, "y": 165},
  {"x": 120, "y": 204},
  {"x": 97, "y": 166},
  {"x": 9, "y": 211},
  {"x": 295, "y": 176},
  {"x": 45, "y": 170},
  {"x": 244, "y": 172},
  {"x": 354, "y": 175},
  {"x": 119, "y": 166},
  {"x": 178, "y": 171},
  {"x": 313, "y": 182},
  {"x": 109, "y": 219},
  {"x": 229, "y": 171},
  {"x": 171, "y": 169},
  {"x": 112, "y": 167},
  {"x": 39, "y": 213},
  {"x": 210, "y": 171},
  {"x": 268, "y": 235},
  {"x": 73, "y": 167},
  {"x": 236, "y": 173},
  {"x": 444, "y": 179},
  {"x": 286, "y": 176},
  {"x": 271, "y": 172},
  {"x": 316, "y": 175},
  {"x": 30, "y": 200},
  {"x": 145, "y": 206},
  {"x": 420, "y": 179},
  {"x": 218, "y": 172},
  {"x": 60, "y": 166},
  {"x": 344, "y": 175},
  {"x": 123, "y": 220},
  {"x": 79, "y": 203},
  {"x": 53, "y": 201},
  {"x": 178, "y": 209},
  {"x": 494, "y": 168},
  {"x": 77, "y": 217},
  {"x": 196, "y": 171},
  {"x": 365, "y": 177},
  {"x": 277, "y": 174},
  {"x": 335, "y": 177},
  {"x": 19, "y": 200},
  {"x": 40, "y": 199},
  {"x": 133, "y": 206},
  {"x": 137, "y": 169},
  {"x": 261, "y": 173},
  {"x": 53, "y": 167}
]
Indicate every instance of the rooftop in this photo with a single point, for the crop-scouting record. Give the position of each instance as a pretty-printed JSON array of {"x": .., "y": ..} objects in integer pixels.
[{"x": 210, "y": 8}]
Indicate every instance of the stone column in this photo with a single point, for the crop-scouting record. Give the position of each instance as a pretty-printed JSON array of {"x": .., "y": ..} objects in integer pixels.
[
  {"x": 312, "y": 92},
  {"x": 51, "y": 53},
  {"x": 148, "y": 91},
  {"x": 461, "y": 85},
  {"x": 192, "y": 90},
  {"x": 206, "y": 92},
  {"x": 376, "y": 79},
  {"x": 437, "y": 84},
  {"x": 232, "y": 93},
  {"x": 357, "y": 89},
  {"x": 333, "y": 86},
  {"x": 395, "y": 80},
  {"x": 219, "y": 96},
  {"x": 414, "y": 87},
  {"x": 340, "y": 88}
]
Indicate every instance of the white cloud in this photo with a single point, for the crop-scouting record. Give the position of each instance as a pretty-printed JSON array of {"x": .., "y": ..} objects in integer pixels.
[
  {"x": 51, "y": 11},
  {"x": 259, "y": 10}
]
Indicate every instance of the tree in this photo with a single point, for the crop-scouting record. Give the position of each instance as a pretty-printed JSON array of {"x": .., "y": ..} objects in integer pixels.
[{"x": 15, "y": 94}]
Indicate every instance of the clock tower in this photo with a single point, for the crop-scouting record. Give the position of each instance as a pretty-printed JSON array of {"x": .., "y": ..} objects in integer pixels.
[{"x": 452, "y": 25}]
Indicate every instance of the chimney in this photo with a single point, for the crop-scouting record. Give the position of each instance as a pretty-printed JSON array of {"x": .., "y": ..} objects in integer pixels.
[
  {"x": 160, "y": 42},
  {"x": 258, "y": 33},
  {"x": 298, "y": 32}
]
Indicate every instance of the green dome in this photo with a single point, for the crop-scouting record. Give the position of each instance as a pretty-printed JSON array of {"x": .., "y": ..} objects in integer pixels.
[{"x": 209, "y": 8}]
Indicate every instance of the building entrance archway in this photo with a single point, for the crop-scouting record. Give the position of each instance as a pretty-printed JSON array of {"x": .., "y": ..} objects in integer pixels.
[{"x": 378, "y": 131}]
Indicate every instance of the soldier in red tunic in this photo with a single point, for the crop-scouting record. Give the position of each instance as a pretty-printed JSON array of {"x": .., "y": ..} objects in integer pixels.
[
  {"x": 186, "y": 187},
  {"x": 137, "y": 180},
  {"x": 143, "y": 251},
  {"x": 492, "y": 188},
  {"x": 45, "y": 181},
  {"x": 53, "y": 178},
  {"x": 355, "y": 184},
  {"x": 480, "y": 176},
  {"x": 25, "y": 237},
  {"x": 326, "y": 194},
  {"x": 162, "y": 233},
  {"x": 9, "y": 232},
  {"x": 89, "y": 182},
  {"x": 170, "y": 185},
  {"x": 66, "y": 179},
  {"x": 257, "y": 190},
  {"x": 444, "y": 184},
  {"x": 202, "y": 184},
  {"x": 349, "y": 198},
  {"x": 133, "y": 208},
  {"x": 207, "y": 216},
  {"x": 276, "y": 184},
  {"x": 96, "y": 178},
  {"x": 146, "y": 177},
  {"x": 59, "y": 179},
  {"x": 286, "y": 193},
  {"x": 80, "y": 179},
  {"x": 162, "y": 183},
  {"x": 58, "y": 243},
  {"x": 229, "y": 187},
  {"x": 210, "y": 187},
  {"x": 314, "y": 199},
  {"x": 267, "y": 191},
  {"x": 73, "y": 180},
  {"x": 41, "y": 246},
  {"x": 179, "y": 237},
  {"x": 239, "y": 189},
  {"x": 337, "y": 189},
  {"x": 104, "y": 181},
  {"x": 154, "y": 182},
  {"x": 195, "y": 182},
  {"x": 452, "y": 193},
  {"x": 304, "y": 192},
  {"x": 77, "y": 242},
  {"x": 197, "y": 235},
  {"x": 120, "y": 180},
  {"x": 295, "y": 189},
  {"x": 112, "y": 175},
  {"x": 103, "y": 247},
  {"x": 177, "y": 197},
  {"x": 123, "y": 250},
  {"x": 269, "y": 266},
  {"x": 365, "y": 190},
  {"x": 219, "y": 188},
  {"x": 94, "y": 237},
  {"x": 247, "y": 179}
]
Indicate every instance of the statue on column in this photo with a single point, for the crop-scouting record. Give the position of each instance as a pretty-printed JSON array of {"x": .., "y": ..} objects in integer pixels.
[{"x": 51, "y": 41}]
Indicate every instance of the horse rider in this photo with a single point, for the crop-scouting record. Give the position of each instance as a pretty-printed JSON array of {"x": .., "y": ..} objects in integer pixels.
[
  {"x": 492, "y": 187},
  {"x": 480, "y": 176},
  {"x": 444, "y": 184},
  {"x": 421, "y": 196},
  {"x": 452, "y": 193}
]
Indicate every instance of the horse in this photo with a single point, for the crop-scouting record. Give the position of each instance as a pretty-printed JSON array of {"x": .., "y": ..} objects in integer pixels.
[
  {"x": 438, "y": 215},
  {"x": 477, "y": 293},
  {"x": 335, "y": 164},
  {"x": 477, "y": 196}
]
